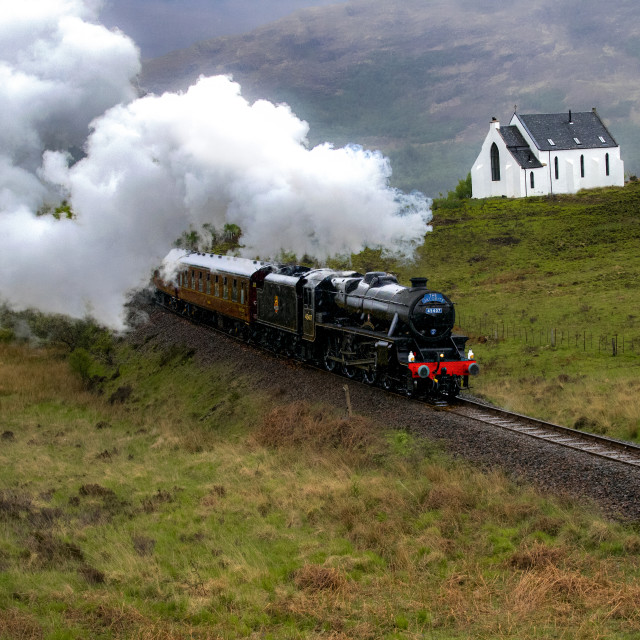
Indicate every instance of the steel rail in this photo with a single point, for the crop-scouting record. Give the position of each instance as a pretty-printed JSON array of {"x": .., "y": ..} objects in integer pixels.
[{"x": 591, "y": 443}]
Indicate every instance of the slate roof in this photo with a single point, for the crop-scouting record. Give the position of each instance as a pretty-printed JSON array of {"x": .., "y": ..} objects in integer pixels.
[
  {"x": 584, "y": 126},
  {"x": 519, "y": 148}
]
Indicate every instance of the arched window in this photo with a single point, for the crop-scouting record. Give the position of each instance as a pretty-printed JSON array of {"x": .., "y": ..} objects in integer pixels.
[
  {"x": 582, "y": 166},
  {"x": 606, "y": 163},
  {"x": 531, "y": 180},
  {"x": 556, "y": 167},
  {"x": 495, "y": 163}
]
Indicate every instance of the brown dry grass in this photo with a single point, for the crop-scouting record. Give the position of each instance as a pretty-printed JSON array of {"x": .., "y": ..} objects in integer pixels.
[
  {"x": 19, "y": 625},
  {"x": 542, "y": 597},
  {"x": 32, "y": 375},
  {"x": 299, "y": 425},
  {"x": 536, "y": 556},
  {"x": 312, "y": 577},
  {"x": 119, "y": 620}
]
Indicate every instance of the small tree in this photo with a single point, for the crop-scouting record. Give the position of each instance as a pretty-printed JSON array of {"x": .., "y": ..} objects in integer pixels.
[
  {"x": 232, "y": 233},
  {"x": 188, "y": 240},
  {"x": 456, "y": 197},
  {"x": 463, "y": 189}
]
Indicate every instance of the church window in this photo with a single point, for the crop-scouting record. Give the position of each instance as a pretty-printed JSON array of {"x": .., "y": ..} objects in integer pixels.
[{"x": 495, "y": 163}]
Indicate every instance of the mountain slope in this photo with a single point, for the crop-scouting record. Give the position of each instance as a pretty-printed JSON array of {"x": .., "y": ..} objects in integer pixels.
[{"x": 420, "y": 80}]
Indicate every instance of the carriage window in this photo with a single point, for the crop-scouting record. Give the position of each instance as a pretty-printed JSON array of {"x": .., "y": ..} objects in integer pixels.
[
  {"x": 217, "y": 288},
  {"x": 234, "y": 293},
  {"x": 208, "y": 284},
  {"x": 242, "y": 288},
  {"x": 225, "y": 288},
  {"x": 193, "y": 279},
  {"x": 199, "y": 280}
]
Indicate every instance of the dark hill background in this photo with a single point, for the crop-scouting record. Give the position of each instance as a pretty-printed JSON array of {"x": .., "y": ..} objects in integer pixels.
[{"x": 421, "y": 79}]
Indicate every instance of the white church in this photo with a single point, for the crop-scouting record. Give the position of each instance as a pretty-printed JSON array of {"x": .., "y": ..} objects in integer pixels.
[{"x": 544, "y": 154}]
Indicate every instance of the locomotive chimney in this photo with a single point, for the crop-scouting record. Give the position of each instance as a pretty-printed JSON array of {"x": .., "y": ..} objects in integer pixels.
[{"x": 418, "y": 283}]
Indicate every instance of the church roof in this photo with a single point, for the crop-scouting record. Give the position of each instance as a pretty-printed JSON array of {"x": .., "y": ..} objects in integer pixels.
[
  {"x": 519, "y": 148},
  {"x": 560, "y": 131}
]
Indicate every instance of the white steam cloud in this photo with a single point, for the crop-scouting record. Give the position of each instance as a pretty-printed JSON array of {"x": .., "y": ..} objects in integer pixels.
[{"x": 154, "y": 166}]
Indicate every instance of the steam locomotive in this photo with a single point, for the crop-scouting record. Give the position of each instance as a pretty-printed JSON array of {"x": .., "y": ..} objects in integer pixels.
[{"x": 367, "y": 326}]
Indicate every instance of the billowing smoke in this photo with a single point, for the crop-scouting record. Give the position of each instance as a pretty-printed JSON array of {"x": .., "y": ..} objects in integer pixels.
[{"x": 154, "y": 166}]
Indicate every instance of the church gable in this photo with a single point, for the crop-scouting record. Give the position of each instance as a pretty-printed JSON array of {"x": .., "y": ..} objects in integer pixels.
[{"x": 519, "y": 149}]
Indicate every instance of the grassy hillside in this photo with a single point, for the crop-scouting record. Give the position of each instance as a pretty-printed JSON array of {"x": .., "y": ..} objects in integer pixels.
[
  {"x": 177, "y": 504},
  {"x": 543, "y": 286},
  {"x": 420, "y": 80}
]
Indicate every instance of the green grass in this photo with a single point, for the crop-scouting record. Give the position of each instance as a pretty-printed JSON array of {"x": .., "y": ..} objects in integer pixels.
[{"x": 198, "y": 509}]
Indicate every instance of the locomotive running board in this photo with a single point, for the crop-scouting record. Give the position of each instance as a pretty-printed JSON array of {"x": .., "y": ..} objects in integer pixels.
[{"x": 375, "y": 335}]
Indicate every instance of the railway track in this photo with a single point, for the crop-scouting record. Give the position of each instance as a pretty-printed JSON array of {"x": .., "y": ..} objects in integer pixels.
[{"x": 595, "y": 445}]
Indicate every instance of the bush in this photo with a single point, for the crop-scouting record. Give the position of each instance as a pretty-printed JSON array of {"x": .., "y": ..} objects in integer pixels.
[
  {"x": 57, "y": 329},
  {"x": 455, "y": 198},
  {"x": 299, "y": 425},
  {"x": 81, "y": 363},
  {"x": 463, "y": 190}
]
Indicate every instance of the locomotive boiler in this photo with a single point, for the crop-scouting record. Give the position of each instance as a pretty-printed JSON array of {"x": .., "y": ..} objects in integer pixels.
[{"x": 366, "y": 326}]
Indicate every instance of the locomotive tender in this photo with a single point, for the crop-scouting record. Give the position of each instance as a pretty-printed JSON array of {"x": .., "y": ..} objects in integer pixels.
[{"x": 365, "y": 326}]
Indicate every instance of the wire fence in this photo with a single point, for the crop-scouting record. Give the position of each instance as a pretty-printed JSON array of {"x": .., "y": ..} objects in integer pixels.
[{"x": 614, "y": 342}]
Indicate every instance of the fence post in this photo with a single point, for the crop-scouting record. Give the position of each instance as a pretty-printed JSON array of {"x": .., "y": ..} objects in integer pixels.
[{"x": 347, "y": 396}]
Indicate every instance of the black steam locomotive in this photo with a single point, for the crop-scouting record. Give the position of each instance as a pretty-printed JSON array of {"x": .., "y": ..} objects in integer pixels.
[{"x": 365, "y": 326}]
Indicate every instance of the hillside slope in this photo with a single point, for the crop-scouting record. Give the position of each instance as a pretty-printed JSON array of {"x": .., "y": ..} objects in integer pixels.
[
  {"x": 420, "y": 80},
  {"x": 198, "y": 497}
]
